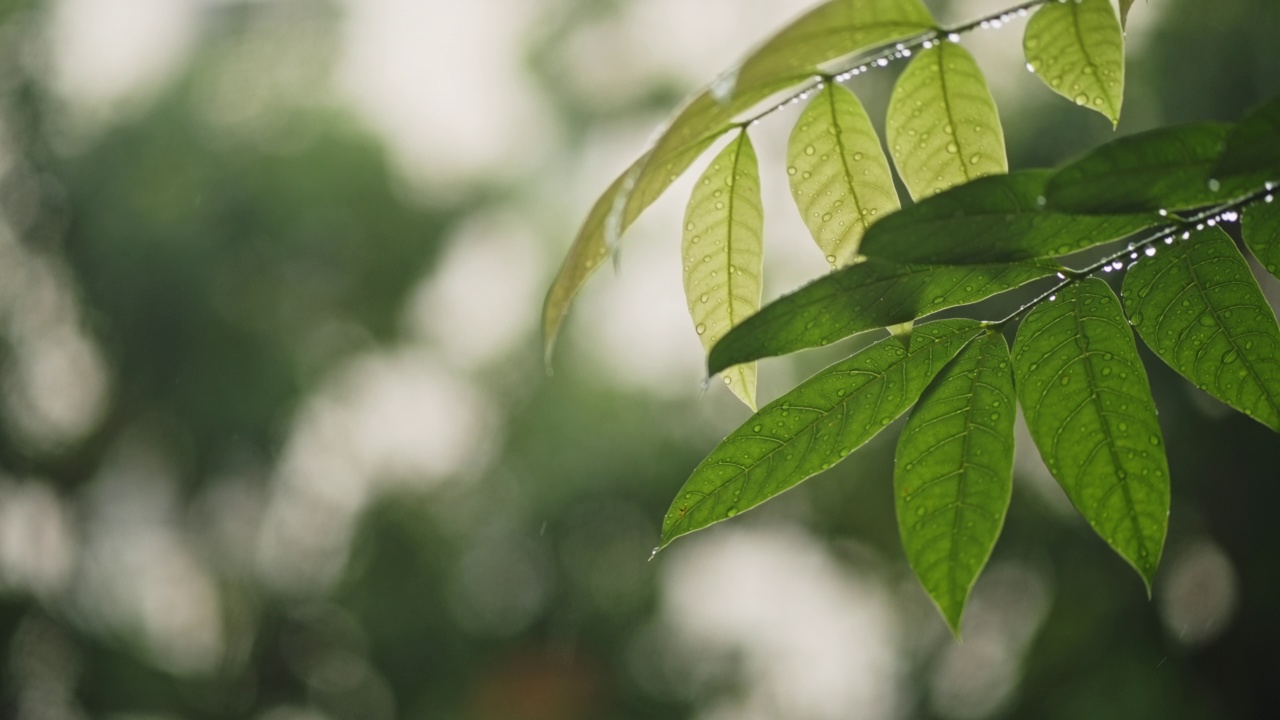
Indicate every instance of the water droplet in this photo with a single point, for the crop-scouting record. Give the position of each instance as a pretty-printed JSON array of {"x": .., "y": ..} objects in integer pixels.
[
  {"x": 702, "y": 328},
  {"x": 974, "y": 160},
  {"x": 809, "y": 150}
]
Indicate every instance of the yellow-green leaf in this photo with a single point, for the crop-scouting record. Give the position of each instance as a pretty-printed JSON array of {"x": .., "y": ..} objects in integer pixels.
[
  {"x": 943, "y": 127},
  {"x": 839, "y": 174},
  {"x": 1124, "y": 11},
  {"x": 827, "y": 33},
  {"x": 1077, "y": 49},
  {"x": 722, "y": 253}
]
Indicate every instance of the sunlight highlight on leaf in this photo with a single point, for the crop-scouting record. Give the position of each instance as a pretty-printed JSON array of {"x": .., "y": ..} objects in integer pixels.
[
  {"x": 1089, "y": 408},
  {"x": 872, "y": 294},
  {"x": 1077, "y": 49},
  {"x": 839, "y": 174},
  {"x": 1197, "y": 306},
  {"x": 722, "y": 251},
  {"x": 953, "y": 474},
  {"x": 942, "y": 126},
  {"x": 828, "y": 32},
  {"x": 813, "y": 426}
]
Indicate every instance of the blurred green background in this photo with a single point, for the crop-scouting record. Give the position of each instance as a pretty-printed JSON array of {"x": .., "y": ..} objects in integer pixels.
[{"x": 276, "y": 440}]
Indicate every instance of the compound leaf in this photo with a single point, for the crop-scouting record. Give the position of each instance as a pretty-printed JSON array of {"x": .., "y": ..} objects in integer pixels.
[
  {"x": 722, "y": 250},
  {"x": 839, "y": 175},
  {"x": 1260, "y": 226},
  {"x": 995, "y": 219},
  {"x": 1077, "y": 49},
  {"x": 1198, "y": 307},
  {"x": 942, "y": 124},
  {"x": 869, "y": 295},
  {"x": 953, "y": 474},
  {"x": 826, "y": 33},
  {"x": 1170, "y": 168},
  {"x": 814, "y": 426},
  {"x": 1089, "y": 408}
]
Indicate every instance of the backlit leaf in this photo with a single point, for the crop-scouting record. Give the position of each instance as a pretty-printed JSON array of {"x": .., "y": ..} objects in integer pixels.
[
  {"x": 829, "y": 32},
  {"x": 1253, "y": 146},
  {"x": 1197, "y": 306},
  {"x": 869, "y": 295},
  {"x": 995, "y": 219},
  {"x": 813, "y": 426},
  {"x": 1089, "y": 408},
  {"x": 1170, "y": 168},
  {"x": 1077, "y": 49},
  {"x": 1260, "y": 226},
  {"x": 953, "y": 474},
  {"x": 839, "y": 174},
  {"x": 722, "y": 253},
  {"x": 942, "y": 125}
]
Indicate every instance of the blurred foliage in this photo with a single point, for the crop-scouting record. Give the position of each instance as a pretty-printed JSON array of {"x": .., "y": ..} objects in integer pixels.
[{"x": 225, "y": 277}]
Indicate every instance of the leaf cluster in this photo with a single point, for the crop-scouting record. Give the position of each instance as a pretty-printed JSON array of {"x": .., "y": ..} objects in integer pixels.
[{"x": 1151, "y": 205}]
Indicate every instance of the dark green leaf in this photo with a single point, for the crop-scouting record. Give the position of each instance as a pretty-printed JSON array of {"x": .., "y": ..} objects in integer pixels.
[
  {"x": 840, "y": 177},
  {"x": 828, "y": 32},
  {"x": 1197, "y": 306},
  {"x": 1077, "y": 49},
  {"x": 954, "y": 473},
  {"x": 869, "y": 295},
  {"x": 995, "y": 219},
  {"x": 942, "y": 126},
  {"x": 1090, "y": 412},
  {"x": 723, "y": 253},
  {"x": 1260, "y": 226},
  {"x": 1253, "y": 147},
  {"x": 814, "y": 426},
  {"x": 1170, "y": 168}
]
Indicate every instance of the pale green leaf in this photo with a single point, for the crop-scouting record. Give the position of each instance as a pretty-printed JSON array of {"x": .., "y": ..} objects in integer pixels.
[
  {"x": 1198, "y": 307},
  {"x": 826, "y": 33},
  {"x": 1169, "y": 168},
  {"x": 942, "y": 125},
  {"x": 723, "y": 253},
  {"x": 1089, "y": 408},
  {"x": 995, "y": 219},
  {"x": 1077, "y": 49},
  {"x": 869, "y": 295},
  {"x": 839, "y": 174},
  {"x": 1260, "y": 225},
  {"x": 953, "y": 474},
  {"x": 813, "y": 426}
]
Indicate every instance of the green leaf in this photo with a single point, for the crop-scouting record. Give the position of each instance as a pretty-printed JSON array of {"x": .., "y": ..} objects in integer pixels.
[
  {"x": 942, "y": 126},
  {"x": 1124, "y": 11},
  {"x": 723, "y": 248},
  {"x": 1197, "y": 306},
  {"x": 869, "y": 295},
  {"x": 953, "y": 474},
  {"x": 995, "y": 219},
  {"x": 1169, "y": 168},
  {"x": 1089, "y": 408},
  {"x": 839, "y": 174},
  {"x": 813, "y": 426},
  {"x": 829, "y": 32},
  {"x": 1252, "y": 148},
  {"x": 1260, "y": 226},
  {"x": 1077, "y": 49}
]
